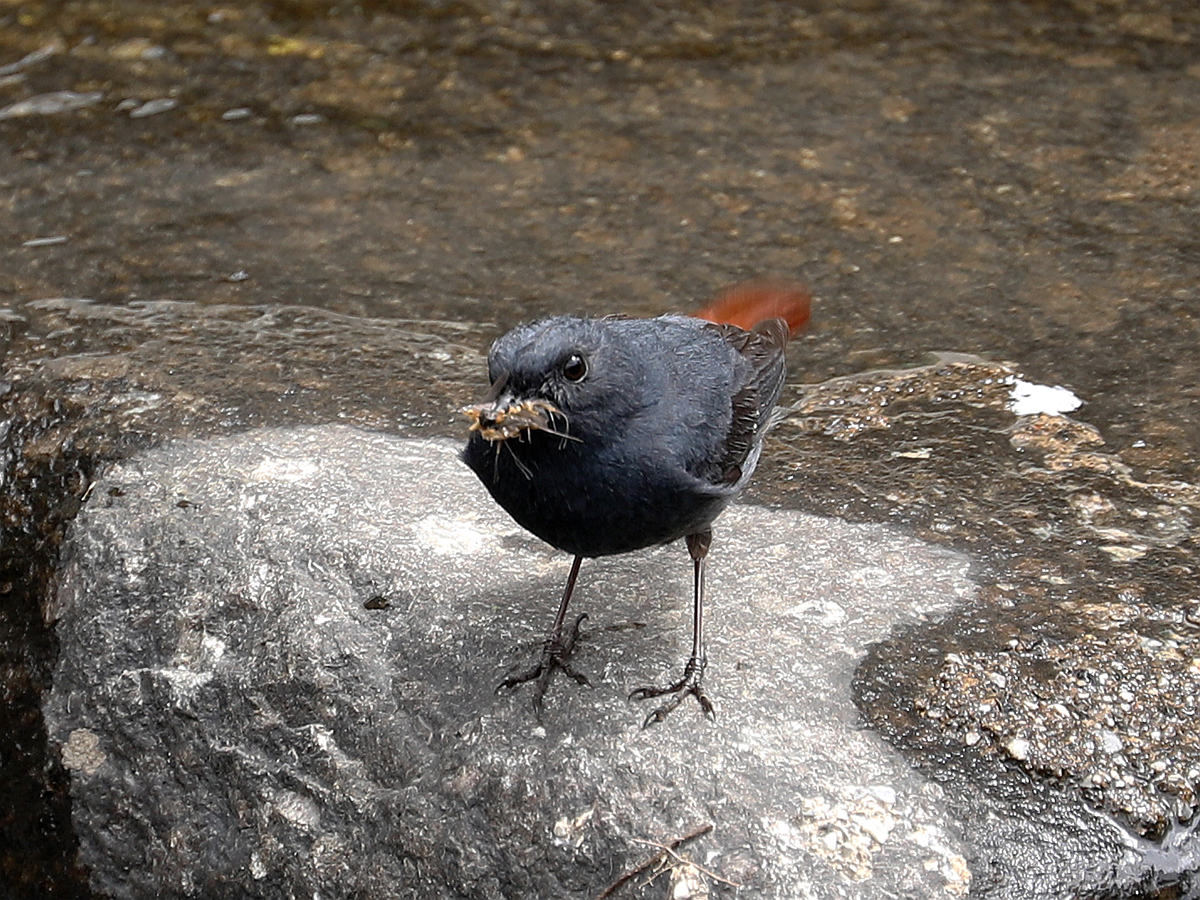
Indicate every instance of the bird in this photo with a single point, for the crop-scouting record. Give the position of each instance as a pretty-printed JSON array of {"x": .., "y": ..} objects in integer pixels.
[{"x": 607, "y": 435}]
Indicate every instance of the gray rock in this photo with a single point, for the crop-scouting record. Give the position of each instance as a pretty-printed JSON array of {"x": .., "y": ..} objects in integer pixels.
[
  {"x": 277, "y": 671},
  {"x": 278, "y": 654}
]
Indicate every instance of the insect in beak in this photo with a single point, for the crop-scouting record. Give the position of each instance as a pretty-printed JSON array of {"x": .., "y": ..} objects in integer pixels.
[
  {"x": 507, "y": 417},
  {"x": 500, "y": 415}
]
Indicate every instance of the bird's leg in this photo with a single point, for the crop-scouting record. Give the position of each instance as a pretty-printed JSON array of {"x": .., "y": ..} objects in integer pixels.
[
  {"x": 697, "y": 545},
  {"x": 555, "y": 652}
]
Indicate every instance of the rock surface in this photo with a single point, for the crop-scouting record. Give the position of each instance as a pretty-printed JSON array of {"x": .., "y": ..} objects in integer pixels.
[
  {"x": 277, "y": 671},
  {"x": 1064, "y": 539},
  {"x": 278, "y": 655}
]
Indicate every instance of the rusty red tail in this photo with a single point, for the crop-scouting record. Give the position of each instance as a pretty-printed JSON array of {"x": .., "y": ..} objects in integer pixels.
[{"x": 748, "y": 303}]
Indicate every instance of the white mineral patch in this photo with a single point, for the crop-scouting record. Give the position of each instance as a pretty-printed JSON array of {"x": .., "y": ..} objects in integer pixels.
[{"x": 1029, "y": 399}]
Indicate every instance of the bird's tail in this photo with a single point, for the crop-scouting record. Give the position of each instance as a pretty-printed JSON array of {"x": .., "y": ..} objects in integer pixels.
[{"x": 751, "y": 302}]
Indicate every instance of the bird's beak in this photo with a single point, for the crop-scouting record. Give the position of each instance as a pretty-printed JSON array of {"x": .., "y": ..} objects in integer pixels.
[{"x": 502, "y": 415}]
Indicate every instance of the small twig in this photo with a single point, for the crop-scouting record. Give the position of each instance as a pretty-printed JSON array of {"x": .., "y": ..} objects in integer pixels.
[
  {"x": 664, "y": 850},
  {"x": 687, "y": 862}
]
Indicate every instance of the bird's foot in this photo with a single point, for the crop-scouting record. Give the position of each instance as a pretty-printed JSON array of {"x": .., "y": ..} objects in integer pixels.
[
  {"x": 556, "y": 654},
  {"x": 688, "y": 684}
]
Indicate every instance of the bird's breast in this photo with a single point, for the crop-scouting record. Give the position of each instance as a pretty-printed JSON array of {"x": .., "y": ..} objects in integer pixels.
[{"x": 594, "y": 500}]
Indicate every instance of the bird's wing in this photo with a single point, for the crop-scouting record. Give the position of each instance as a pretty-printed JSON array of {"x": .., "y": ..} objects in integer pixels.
[{"x": 754, "y": 399}]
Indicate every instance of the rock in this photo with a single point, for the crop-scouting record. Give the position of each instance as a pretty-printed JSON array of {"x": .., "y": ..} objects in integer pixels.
[
  {"x": 277, "y": 668},
  {"x": 87, "y": 383},
  {"x": 330, "y": 782}
]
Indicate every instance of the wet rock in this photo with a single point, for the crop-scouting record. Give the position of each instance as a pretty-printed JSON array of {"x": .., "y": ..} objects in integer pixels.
[
  {"x": 1107, "y": 712},
  {"x": 85, "y": 383},
  {"x": 1078, "y": 663},
  {"x": 145, "y": 371},
  {"x": 241, "y": 716},
  {"x": 964, "y": 683},
  {"x": 1071, "y": 671}
]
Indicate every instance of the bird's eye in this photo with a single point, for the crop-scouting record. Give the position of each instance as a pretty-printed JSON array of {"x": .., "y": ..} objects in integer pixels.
[{"x": 575, "y": 367}]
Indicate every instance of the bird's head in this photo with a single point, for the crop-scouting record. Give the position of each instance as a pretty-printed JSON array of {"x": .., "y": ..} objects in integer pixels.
[{"x": 563, "y": 376}]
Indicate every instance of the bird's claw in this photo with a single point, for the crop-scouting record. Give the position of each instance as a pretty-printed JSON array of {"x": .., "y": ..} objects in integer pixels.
[
  {"x": 556, "y": 653},
  {"x": 689, "y": 684}
]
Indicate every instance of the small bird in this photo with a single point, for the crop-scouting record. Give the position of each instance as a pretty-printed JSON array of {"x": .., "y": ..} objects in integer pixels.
[{"x": 608, "y": 435}]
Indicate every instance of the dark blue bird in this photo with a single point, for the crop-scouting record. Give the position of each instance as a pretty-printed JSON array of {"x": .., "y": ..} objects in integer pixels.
[{"x": 604, "y": 436}]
